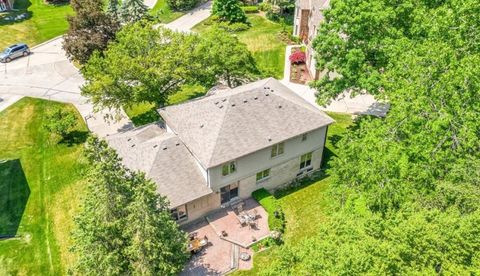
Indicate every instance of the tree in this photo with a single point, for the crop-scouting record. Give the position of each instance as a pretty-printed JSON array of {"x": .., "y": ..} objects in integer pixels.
[
  {"x": 226, "y": 59},
  {"x": 133, "y": 10},
  {"x": 182, "y": 5},
  {"x": 229, "y": 10},
  {"x": 157, "y": 246},
  {"x": 148, "y": 64},
  {"x": 90, "y": 30},
  {"x": 145, "y": 64},
  {"x": 124, "y": 227},
  {"x": 99, "y": 239},
  {"x": 61, "y": 122},
  {"x": 113, "y": 8}
]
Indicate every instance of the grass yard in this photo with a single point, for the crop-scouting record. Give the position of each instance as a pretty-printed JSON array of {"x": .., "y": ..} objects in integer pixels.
[
  {"x": 145, "y": 113},
  {"x": 163, "y": 12},
  {"x": 43, "y": 22},
  {"x": 263, "y": 40},
  {"x": 41, "y": 183},
  {"x": 305, "y": 207}
]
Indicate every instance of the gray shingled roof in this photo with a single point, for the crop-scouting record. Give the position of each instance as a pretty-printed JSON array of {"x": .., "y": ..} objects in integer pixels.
[
  {"x": 164, "y": 159},
  {"x": 236, "y": 122}
]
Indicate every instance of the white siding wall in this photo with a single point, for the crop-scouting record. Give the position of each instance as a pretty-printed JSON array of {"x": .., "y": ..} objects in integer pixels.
[
  {"x": 202, "y": 206},
  {"x": 250, "y": 165}
]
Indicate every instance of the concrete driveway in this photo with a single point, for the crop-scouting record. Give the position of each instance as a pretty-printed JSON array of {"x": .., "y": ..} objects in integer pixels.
[
  {"x": 192, "y": 18},
  {"x": 48, "y": 74}
]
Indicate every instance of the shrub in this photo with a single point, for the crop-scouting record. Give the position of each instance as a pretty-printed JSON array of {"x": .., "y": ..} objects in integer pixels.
[
  {"x": 182, "y": 5},
  {"x": 60, "y": 122},
  {"x": 297, "y": 57},
  {"x": 265, "y": 7},
  {"x": 233, "y": 27},
  {"x": 229, "y": 10},
  {"x": 276, "y": 217},
  {"x": 250, "y": 9}
]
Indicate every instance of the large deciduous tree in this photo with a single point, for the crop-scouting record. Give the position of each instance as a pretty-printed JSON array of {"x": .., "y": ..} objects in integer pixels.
[
  {"x": 90, "y": 30},
  {"x": 148, "y": 64},
  {"x": 124, "y": 227},
  {"x": 226, "y": 59},
  {"x": 229, "y": 10}
]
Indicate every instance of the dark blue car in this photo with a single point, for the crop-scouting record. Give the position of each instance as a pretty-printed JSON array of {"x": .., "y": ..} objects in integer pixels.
[{"x": 14, "y": 51}]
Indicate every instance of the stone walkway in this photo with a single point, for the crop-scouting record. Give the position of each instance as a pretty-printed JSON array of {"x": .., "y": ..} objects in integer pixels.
[{"x": 360, "y": 104}]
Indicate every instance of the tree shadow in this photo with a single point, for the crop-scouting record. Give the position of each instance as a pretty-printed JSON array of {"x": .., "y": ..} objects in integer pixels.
[
  {"x": 75, "y": 137},
  {"x": 15, "y": 193}
]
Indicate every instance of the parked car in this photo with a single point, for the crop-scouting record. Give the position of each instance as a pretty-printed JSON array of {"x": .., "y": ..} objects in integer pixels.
[{"x": 14, "y": 51}]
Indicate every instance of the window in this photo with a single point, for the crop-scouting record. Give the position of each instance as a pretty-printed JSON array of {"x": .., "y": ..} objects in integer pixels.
[
  {"x": 263, "y": 175},
  {"x": 306, "y": 161},
  {"x": 277, "y": 149},
  {"x": 304, "y": 137},
  {"x": 229, "y": 168},
  {"x": 179, "y": 213}
]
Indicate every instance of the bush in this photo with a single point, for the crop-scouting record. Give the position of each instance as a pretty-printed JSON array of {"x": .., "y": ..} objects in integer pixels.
[
  {"x": 276, "y": 217},
  {"x": 60, "y": 122},
  {"x": 250, "y": 9},
  {"x": 182, "y": 5},
  {"x": 265, "y": 7},
  {"x": 233, "y": 27},
  {"x": 297, "y": 58}
]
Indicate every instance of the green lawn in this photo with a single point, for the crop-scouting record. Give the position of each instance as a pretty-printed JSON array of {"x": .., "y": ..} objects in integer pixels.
[
  {"x": 41, "y": 183},
  {"x": 263, "y": 41},
  {"x": 164, "y": 13},
  {"x": 305, "y": 207},
  {"x": 145, "y": 113},
  {"x": 43, "y": 22}
]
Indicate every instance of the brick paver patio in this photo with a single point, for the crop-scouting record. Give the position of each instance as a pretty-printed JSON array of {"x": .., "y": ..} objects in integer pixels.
[{"x": 222, "y": 253}]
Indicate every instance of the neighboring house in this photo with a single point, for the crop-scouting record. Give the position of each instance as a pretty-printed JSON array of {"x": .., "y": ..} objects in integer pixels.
[
  {"x": 308, "y": 17},
  {"x": 6, "y": 5},
  {"x": 214, "y": 150}
]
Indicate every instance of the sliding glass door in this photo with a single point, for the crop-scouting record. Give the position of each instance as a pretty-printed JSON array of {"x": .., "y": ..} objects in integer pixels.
[{"x": 229, "y": 192}]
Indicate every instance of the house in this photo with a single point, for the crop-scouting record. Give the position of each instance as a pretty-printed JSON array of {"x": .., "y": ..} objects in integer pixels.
[
  {"x": 6, "y": 5},
  {"x": 308, "y": 17},
  {"x": 214, "y": 150}
]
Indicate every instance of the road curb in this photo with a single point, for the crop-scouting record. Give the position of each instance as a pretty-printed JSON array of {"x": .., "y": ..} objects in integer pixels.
[{"x": 46, "y": 42}]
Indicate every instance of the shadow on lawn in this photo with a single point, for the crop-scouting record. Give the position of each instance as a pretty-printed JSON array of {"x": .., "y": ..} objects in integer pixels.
[
  {"x": 15, "y": 193},
  {"x": 75, "y": 137}
]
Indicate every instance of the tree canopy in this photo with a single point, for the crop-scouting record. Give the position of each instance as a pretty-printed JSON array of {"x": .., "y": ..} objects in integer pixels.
[
  {"x": 229, "y": 10},
  {"x": 147, "y": 64},
  {"x": 124, "y": 227},
  {"x": 90, "y": 29},
  {"x": 406, "y": 186}
]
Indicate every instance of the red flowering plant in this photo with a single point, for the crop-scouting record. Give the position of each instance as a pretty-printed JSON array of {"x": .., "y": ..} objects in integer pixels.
[{"x": 297, "y": 58}]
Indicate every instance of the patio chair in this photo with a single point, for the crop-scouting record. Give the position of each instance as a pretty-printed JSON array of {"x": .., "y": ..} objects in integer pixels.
[{"x": 241, "y": 220}]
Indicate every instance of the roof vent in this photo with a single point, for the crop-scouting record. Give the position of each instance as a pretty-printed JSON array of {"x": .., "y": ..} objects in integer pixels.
[
  {"x": 266, "y": 94},
  {"x": 269, "y": 139},
  {"x": 202, "y": 125},
  {"x": 132, "y": 145},
  {"x": 255, "y": 98},
  {"x": 164, "y": 147},
  {"x": 280, "y": 106},
  {"x": 220, "y": 106},
  {"x": 224, "y": 99},
  {"x": 155, "y": 146},
  {"x": 216, "y": 102},
  {"x": 272, "y": 90},
  {"x": 245, "y": 101},
  {"x": 177, "y": 144},
  {"x": 233, "y": 104},
  {"x": 129, "y": 139}
]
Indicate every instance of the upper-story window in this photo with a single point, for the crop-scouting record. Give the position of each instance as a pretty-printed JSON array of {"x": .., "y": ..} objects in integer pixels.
[
  {"x": 277, "y": 149},
  {"x": 229, "y": 168},
  {"x": 304, "y": 137}
]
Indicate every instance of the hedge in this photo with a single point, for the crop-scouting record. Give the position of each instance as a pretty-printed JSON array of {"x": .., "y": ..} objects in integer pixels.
[
  {"x": 276, "y": 217},
  {"x": 250, "y": 9}
]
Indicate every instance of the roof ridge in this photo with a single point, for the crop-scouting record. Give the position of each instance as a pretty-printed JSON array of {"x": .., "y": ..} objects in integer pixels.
[{"x": 217, "y": 135}]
